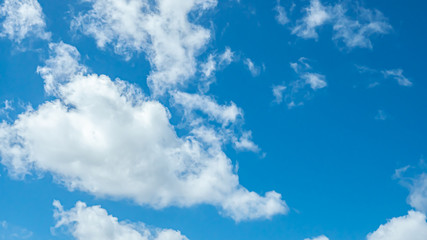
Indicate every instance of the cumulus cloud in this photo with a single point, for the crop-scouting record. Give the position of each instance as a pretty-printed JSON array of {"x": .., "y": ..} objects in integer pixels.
[
  {"x": 106, "y": 138},
  {"x": 253, "y": 69},
  {"x": 160, "y": 28},
  {"x": 352, "y": 32},
  {"x": 89, "y": 223},
  {"x": 322, "y": 237},
  {"x": 281, "y": 16},
  {"x": 412, "y": 226},
  {"x": 22, "y": 19}
]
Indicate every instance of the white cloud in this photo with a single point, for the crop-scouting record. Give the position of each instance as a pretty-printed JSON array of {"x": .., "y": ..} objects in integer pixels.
[
  {"x": 295, "y": 92},
  {"x": 214, "y": 62},
  {"x": 229, "y": 116},
  {"x": 357, "y": 33},
  {"x": 322, "y": 237},
  {"x": 91, "y": 223},
  {"x": 397, "y": 74},
  {"x": 315, "y": 80},
  {"x": 381, "y": 115},
  {"x": 22, "y": 19},
  {"x": 278, "y": 93},
  {"x": 209, "y": 67},
  {"x": 9, "y": 231},
  {"x": 316, "y": 16},
  {"x": 255, "y": 70},
  {"x": 245, "y": 143},
  {"x": 281, "y": 16},
  {"x": 106, "y": 138},
  {"x": 412, "y": 226},
  {"x": 163, "y": 31},
  {"x": 352, "y": 32},
  {"x": 221, "y": 113},
  {"x": 226, "y": 57},
  {"x": 60, "y": 67},
  {"x": 418, "y": 193}
]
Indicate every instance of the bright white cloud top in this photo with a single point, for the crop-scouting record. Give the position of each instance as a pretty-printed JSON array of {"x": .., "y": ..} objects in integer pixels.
[
  {"x": 106, "y": 138},
  {"x": 89, "y": 223},
  {"x": 412, "y": 226},
  {"x": 162, "y": 30},
  {"x": 21, "y": 19}
]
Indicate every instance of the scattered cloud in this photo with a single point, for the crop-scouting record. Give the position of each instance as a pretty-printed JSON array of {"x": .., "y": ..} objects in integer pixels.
[
  {"x": 322, "y": 237},
  {"x": 397, "y": 74},
  {"x": 416, "y": 183},
  {"x": 221, "y": 113},
  {"x": 217, "y": 61},
  {"x": 255, "y": 70},
  {"x": 352, "y": 32},
  {"x": 315, "y": 80},
  {"x": 230, "y": 118},
  {"x": 357, "y": 33},
  {"x": 316, "y": 16},
  {"x": 295, "y": 92},
  {"x": 278, "y": 93},
  {"x": 378, "y": 75},
  {"x": 281, "y": 16},
  {"x": 94, "y": 222},
  {"x": 107, "y": 135},
  {"x": 9, "y": 232},
  {"x": 7, "y": 106},
  {"x": 161, "y": 29},
  {"x": 418, "y": 193},
  {"x": 412, "y": 226},
  {"x": 245, "y": 143},
  {"x": 22, "y": 19},
  {"x": 381, "y": 115}
]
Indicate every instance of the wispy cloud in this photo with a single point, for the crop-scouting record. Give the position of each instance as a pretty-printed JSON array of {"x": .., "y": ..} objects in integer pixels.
[
  {"x": 294, "y": 93},
  {"x": 322, "y": 237},
  {"x": 254, "y": 69},
  {"x": 381, "y": 115},
  {"x": 378, "y": 75},
  {"x": 397, "y": 74},
  {"x": 352, "y": 32},
  {"x": 10, "y": 231},
  {"x": 281, "y": 16},
  {"x": 316, "y": 16}
]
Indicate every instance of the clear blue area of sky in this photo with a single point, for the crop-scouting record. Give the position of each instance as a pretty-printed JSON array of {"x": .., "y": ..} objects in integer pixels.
[{"x": 332, "y": 161}]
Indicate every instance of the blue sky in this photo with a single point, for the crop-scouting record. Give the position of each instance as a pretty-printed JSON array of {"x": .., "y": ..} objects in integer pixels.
[{"x": 206, "y": 119}]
